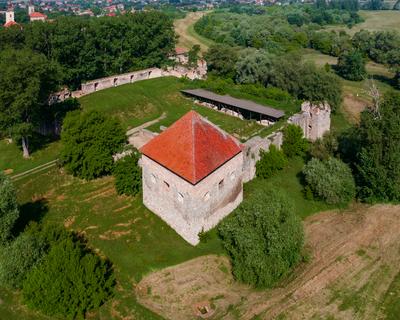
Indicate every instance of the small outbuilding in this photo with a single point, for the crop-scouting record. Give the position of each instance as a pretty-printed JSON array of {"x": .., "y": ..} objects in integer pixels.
[{"x": 192, "y": 175}]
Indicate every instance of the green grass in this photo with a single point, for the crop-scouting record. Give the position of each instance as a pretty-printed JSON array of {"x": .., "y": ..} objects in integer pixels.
[
  {"x": 383, "y": 20},
  {"x": 289, "y": 181},
  {"x": 135, "y": 104},
  {"x": 391, "y": 301},
  {"x": 12, "y": 161},
  {"x": 121, "y": 228}
]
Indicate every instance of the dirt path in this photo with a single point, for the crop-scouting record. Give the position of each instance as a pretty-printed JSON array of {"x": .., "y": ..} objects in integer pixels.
[
  {"x": 187, "y": 37},
  {"x": 355, "y": 256},
  {"x": 145, "y": 125}
]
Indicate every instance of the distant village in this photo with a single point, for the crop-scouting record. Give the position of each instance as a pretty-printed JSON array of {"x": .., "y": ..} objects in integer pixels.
[{"x": 34, "y": 10}]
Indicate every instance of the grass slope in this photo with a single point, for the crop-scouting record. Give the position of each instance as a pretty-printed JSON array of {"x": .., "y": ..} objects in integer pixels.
[{"x": 382, "y": 20}]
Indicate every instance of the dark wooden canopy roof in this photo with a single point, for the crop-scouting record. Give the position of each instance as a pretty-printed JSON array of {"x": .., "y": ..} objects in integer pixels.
[{"x": 234, "y": 102}]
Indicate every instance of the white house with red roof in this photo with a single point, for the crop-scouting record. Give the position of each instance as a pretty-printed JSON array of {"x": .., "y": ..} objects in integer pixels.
[
  {"x": 37, "y": 16},
  {"x": 192, "y": 175}
]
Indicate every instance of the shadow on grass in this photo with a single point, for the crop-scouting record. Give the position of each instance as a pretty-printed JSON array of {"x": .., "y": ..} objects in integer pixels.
[{"x": 30, "y": 212}]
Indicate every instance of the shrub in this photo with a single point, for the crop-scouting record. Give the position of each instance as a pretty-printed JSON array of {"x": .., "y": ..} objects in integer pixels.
[
  {"x": 293, "y": 142},
  {"x": 17, "y": 259},
  {"x": 351, "y": 66},
  {"x": 89, "y": 140},
  {"x": 69, "y": 281},
  {"x": 264, "y": 237},
  {"x": 270, "y": 162},
  {"x": 330, "y": 180},
  {"x": 128, "y": 174},
  {"x": 325, "y": 147},
  {"x": 9, "y": 211}
]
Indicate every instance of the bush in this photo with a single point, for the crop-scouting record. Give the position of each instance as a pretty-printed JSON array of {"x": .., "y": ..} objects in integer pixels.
[
  {"x": 330, "y": 180},
  {"x": 17, "y": 259},
  {"x": 351, "y": 66},
  {"x": 264, "y": 237},
  {"x": 69, "y": 281},
  {"x": 89, "y": 141},
  {"x": 270, "y": 162},
  {"x": 325, "y": 147},
  {"x": 293, "y": 142},
  {"x": 128, "y": 174},
  {"x": 9, "y": 211}
]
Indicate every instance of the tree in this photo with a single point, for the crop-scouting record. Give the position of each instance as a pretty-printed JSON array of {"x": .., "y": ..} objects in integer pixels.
[
  {"x": 89, "y": 141},
  {"x": 253, "y": 67},
  {"x": 377, "y": 164},
  {"x": 193, "y": 54},
  {"x": 351, "y": 66},
  {"x": 263, "y": 237},
  {"x": 221, "y": 60},
  {"x": 325, "y": 147},
  {"x": 26, "y": 81},
  {"x": 293, "y": 142},
  {"x": 69, "y": 281},
  {"x": 270, "y": 162},
  {"x": 18, "y": 258},
  {"x": 9, "y": 212},
  {"x": 330, "y": 180},
  {"x": 128, "y": 174}
]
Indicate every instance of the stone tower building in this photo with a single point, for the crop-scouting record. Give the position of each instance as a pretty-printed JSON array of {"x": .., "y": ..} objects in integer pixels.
[
  {"x": 192, "y": 175},
  {"x": 314, "y": 120}
]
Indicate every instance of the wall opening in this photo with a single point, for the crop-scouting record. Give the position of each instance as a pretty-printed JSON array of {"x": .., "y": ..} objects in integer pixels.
[
  {"x": 180, "y": 197},
  {"x": 166, "y": 184},
  {"x": 221, "y": 184}
]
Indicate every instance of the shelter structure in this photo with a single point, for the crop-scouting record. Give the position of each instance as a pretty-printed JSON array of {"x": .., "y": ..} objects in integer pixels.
[
  {"x": 192, "y": 175},
  {"x": 244, "y": 109}
]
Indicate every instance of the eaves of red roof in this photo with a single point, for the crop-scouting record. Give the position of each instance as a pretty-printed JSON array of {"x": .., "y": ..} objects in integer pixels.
[
  {"x": 37, "y": 15},
  {"x": 181, "y": 50},
  {"x": 10, "y": 24},
  {"x": 192, "y": 148}
]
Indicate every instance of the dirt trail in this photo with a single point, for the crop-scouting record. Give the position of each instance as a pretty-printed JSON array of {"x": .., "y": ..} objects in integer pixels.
[
  {"x": 355, "y": 256},
  {"x": 186, "y": 39}
]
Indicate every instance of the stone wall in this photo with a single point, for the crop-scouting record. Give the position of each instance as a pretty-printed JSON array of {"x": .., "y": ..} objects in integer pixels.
[
  {"x": 188, "y": 208},
  {"x": 314, "y": 120},
  {"x": 251, "y": 152},
  {"x": 117, "y": 80}
]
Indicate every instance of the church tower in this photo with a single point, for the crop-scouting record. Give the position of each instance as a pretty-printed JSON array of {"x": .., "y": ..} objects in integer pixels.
[
  {"x": 10, "y": 13},
  {"x": 31, "y": 8}
]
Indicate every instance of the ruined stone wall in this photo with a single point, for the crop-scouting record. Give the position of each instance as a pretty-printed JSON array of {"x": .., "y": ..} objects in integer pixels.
[
  {"x": 188, "y": 208},
  {"x": 251, "y": 152},
  {"x": 314, "y": 120},
  {"x": 117, "y": 80}
]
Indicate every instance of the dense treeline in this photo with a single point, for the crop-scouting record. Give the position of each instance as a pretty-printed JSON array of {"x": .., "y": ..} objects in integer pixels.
[
  {"x": 300, "y": 80},
  {"x": 92, "y": 48}
]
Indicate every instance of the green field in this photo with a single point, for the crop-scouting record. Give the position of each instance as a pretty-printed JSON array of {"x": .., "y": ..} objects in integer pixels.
[{"x": 382, "y": 20}]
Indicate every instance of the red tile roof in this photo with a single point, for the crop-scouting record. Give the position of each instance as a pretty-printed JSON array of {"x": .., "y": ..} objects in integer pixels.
[
  {"x": 181, "y": 51},
  {"x": 192, "y": 147},
  {"x": 37, "y": 15},
  {"x": 10, "y": 23}
]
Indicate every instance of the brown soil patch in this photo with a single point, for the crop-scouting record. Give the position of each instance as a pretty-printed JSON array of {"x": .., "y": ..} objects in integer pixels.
[
  {"x": 101, "y": 193},
  {"x": 112, "y": 235},
  {"x": 355, "y": 255},
  {"x": 122, "y": 208},
  {"x": 69, "y": 221},
  {"x": 353, "y": 106}
]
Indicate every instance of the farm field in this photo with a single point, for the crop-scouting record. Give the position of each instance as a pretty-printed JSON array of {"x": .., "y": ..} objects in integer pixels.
[
  {"x": 353, "y": 274},
  {"x": 383, "y": 20}
]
